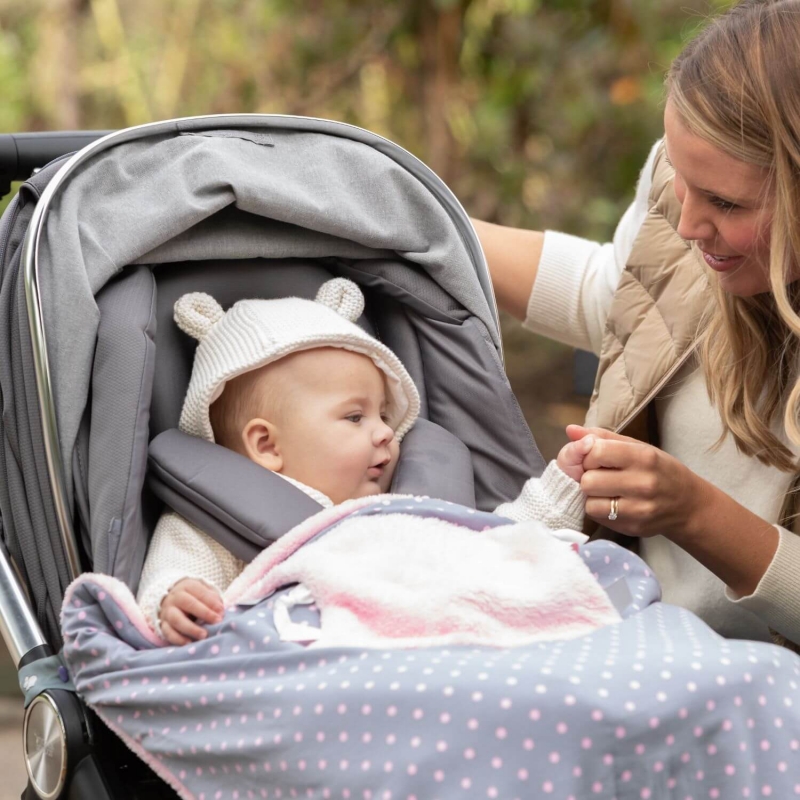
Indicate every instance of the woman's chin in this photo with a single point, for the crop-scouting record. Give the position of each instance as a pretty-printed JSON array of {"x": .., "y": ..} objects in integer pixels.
[{"x": 743, "y": 283}]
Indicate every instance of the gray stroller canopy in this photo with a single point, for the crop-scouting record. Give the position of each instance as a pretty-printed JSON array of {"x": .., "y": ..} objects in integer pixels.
[{"x": 209, "y": 190}]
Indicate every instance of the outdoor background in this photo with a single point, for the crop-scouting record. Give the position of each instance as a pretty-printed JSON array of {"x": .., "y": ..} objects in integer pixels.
[{"x": 537, "y": 113}]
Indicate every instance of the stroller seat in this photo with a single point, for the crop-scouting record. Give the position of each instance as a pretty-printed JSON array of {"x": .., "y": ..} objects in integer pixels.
[{"x": 141, "y": 369}]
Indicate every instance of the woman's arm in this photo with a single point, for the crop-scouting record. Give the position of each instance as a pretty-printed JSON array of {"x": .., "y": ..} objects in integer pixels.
[
  {"x": 561, "y": 286},
  {"x": 734, "y": 543},
  {"x": 513, "y": 256}
]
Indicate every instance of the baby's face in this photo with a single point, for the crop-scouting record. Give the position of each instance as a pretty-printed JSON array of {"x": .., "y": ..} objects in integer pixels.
[{"x": 331, "y": 433}]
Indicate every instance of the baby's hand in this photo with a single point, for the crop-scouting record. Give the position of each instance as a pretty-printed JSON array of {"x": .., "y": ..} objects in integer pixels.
[
  {"x": 570, "y": 457},
  {"x": 189, "y": 600}
]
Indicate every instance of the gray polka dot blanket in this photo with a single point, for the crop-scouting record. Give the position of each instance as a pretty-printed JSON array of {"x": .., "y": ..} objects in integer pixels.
[{"x": 635, "y": 699}]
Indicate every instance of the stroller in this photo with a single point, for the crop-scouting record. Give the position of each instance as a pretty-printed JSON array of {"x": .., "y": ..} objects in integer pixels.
[
  {"x": 341, "y": 202},
  {"x": 94, "y": 251}
]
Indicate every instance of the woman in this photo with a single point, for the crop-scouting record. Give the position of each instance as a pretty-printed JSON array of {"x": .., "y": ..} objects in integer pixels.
[{"x": 693, "y": 309}]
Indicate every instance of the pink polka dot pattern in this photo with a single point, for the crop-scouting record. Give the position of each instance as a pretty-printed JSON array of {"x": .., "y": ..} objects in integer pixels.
[{"x": 635, "y": 710}]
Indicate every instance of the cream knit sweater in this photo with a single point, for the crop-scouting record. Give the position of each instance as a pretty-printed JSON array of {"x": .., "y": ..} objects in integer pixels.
[
  {"x": 570, "y": 302},
  {"x": 180, "y": 550}
]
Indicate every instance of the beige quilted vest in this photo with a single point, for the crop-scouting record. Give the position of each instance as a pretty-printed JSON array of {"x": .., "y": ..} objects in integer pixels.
[
  {"x": 651, "y": 331},
  {"x": 652, "y": 325}
]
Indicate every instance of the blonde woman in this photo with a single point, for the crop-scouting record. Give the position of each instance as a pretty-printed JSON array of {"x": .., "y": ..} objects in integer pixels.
[{"x": 693, "y": 310}]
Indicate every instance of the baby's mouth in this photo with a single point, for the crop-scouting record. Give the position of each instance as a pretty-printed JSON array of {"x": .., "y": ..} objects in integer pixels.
[{"x": 378, "y": 468}]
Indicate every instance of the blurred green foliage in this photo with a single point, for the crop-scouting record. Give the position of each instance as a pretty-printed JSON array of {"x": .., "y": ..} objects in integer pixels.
[{"x": 538, "y": 113}]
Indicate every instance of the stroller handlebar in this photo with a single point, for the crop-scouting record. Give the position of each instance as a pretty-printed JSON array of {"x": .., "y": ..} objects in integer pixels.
[{"x": 21, "y": 154}]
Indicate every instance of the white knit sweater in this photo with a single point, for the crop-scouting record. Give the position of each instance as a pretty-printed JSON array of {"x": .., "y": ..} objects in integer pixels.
[{"x": 180, "y": 550}]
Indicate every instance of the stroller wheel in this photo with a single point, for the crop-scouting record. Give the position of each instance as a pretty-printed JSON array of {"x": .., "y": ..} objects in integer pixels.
[{"x": 45, "y": 747}]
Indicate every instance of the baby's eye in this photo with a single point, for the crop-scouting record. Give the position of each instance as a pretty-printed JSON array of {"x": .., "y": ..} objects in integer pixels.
[
  {"x": 385, "y": 418},
  {"x": 354, "y": 417}
]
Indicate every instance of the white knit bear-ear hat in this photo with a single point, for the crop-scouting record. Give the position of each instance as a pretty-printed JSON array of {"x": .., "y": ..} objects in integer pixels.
[{"x": 254, "y": 333}]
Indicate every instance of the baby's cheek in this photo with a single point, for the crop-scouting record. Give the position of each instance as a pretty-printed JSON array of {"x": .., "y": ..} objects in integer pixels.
[{"x": 385, "y": 481}]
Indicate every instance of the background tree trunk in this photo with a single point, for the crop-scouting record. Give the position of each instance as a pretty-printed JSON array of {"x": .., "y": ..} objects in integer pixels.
[{"x": 440, "y": 35}]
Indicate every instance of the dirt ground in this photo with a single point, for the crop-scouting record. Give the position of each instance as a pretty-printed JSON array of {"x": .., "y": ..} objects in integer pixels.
[
  {"x": 11, "y": 766},
  {"x": 540, "y": 373}
]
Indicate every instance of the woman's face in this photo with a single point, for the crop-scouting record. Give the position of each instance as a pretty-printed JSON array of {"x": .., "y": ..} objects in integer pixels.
[{"x": 726, "y": 208}]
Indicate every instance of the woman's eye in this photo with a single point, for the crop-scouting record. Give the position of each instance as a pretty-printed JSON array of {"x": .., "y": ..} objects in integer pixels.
[{"x": 724, "y": 205}]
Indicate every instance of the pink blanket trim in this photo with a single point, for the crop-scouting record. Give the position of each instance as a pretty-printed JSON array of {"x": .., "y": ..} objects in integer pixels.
[{"x": 122, "y": 596}]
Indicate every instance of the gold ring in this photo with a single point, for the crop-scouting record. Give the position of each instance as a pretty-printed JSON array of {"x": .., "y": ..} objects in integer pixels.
[{"x": 612, "y": 515}]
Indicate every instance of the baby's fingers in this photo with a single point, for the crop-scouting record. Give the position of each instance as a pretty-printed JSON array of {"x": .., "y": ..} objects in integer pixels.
[
  {"x": 191, "y": 605},
  {"x": 171, "y": 635},
  {"x": 209, "y": 596},
  {"x": 572, "y": 454},
  {"x": 177, "y": 620}
]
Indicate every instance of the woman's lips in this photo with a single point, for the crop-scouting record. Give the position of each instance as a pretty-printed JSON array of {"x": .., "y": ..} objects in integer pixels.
[{"x": 721, "y": 263}]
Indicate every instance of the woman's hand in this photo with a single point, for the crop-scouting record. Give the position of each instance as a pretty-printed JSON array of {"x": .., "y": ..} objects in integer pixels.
[
  {"x": 659, "y": 495},
  {"x": 656, "y": 493}
]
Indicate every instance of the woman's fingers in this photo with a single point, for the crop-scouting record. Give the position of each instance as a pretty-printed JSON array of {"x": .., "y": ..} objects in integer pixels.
[
  {"x": 632, "y": 514},
  {"x": 615, "y": 483},
  {"x": 579, "y": 431},
  {"x": 607, "y": 454}
]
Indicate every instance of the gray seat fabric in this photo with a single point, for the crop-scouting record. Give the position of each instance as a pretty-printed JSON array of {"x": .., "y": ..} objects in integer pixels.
[
  {"x": 122, "y": 383},
  {"x": 433, "y": 462}
]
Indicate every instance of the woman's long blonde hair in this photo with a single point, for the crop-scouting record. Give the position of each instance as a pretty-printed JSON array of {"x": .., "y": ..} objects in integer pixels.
[{"x": 737, "y": 86}]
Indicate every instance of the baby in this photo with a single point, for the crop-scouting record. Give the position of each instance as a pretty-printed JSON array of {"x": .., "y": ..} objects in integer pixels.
[{"x": 298, "y": 388}]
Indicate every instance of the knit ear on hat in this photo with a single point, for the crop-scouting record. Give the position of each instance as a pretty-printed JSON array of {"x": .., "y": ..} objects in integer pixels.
[
  {"x": 343, "y": 296},
  {"x": 196, "y": 313}
]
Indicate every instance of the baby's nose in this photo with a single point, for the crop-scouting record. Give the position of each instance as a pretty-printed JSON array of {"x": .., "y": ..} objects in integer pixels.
[{"x": 384, "y": 434}]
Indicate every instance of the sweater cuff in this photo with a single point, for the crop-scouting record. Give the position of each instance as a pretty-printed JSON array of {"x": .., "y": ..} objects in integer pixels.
[
  {"x": 554, "y": 499},
  {"x": 775, "y": 598},
  {"x": 555, "y": 301},
  {"x": 565, "y": 494}
]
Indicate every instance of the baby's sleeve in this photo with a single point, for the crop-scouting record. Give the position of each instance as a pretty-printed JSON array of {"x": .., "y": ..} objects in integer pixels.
[
  {"x": 180, "y": 550},
  {"x": 554, "y": 499}
]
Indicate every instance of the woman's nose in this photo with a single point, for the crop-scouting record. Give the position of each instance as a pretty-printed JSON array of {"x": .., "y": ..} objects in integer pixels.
[{"x": 694, "y": 223}]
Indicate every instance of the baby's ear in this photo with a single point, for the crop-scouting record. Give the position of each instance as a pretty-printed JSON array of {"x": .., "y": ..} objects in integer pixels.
[{"x": 261, "y": 445}]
